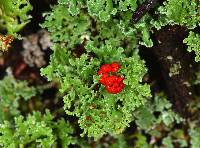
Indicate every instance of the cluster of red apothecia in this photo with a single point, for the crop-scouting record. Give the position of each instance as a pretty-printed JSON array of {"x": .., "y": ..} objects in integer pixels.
[{"x": 113, "y": 83}]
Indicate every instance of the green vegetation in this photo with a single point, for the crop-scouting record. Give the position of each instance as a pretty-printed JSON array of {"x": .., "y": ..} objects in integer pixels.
[
  {"x": 36, "y": 131},
  {"x": 193, "y": 43},
  {"x": 81, "y": 112},
  {"x": 12, "y": 91},
  {"x": 13, "y": 15}
]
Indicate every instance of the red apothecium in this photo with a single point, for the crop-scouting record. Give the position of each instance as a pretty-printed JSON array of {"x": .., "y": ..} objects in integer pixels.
[{"x": 113, "y": 83}]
